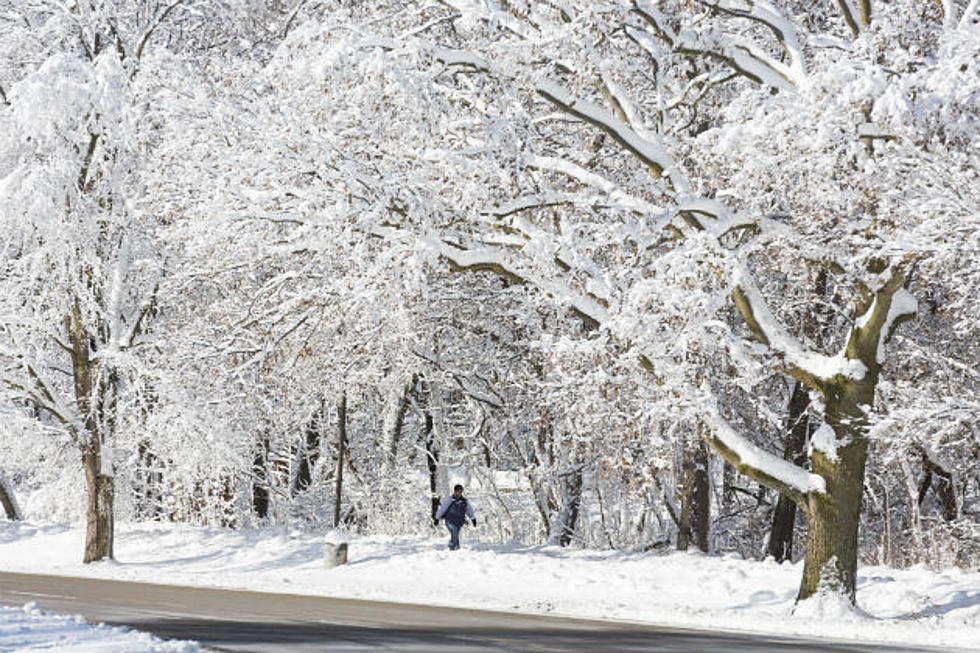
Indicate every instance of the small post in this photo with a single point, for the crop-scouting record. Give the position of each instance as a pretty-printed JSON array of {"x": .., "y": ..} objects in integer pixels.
[{"x": 334, "y": 549}]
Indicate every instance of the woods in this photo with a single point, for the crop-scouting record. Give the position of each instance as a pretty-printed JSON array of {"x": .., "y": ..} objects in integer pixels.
[{"x": 640, "y": 274}]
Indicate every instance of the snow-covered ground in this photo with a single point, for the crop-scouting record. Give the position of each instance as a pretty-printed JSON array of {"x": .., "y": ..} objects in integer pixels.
[
  {"x": 28, "y": 629},
  {"x": 914, "y": 606}
]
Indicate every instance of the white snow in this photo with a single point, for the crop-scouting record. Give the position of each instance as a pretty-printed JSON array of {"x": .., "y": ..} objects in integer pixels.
[
  {"x": 651, "y": 151},
  {"x": 912, "y": 606},
  {"x": 903, "y": 303},
  {"x": 753, "y": 456},
  {"x": 825, "y": 440},
  {"x": 27, "y": 628},
  {"x": 780, "y": 340}
]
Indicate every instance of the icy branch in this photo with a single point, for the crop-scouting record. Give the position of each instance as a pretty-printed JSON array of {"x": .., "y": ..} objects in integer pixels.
[
  {"x": 811, "y": 368},
  {"x": 40, "y": 392},
  {"x": 769, "y": 16},
  {"x": 857, "y": 16},
  {"x": 465, "y": 383},
  {"x": 651, "y": 152},
  {"x": 970, "y": 14},
  {"x": 492, "y": 259},
  {"x": 738, "y": 54},
  {"x": 447, "y": 56},
  {"x": 154, "y": 24},
  {"x": 892, "y": 305},
  {"x": 762, "y": 466},
  {"x": 487, "y": 11},
  {"x": 615, "y": 196}
]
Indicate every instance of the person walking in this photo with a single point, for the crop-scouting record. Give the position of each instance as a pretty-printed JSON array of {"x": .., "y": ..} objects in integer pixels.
[{"x": 455, "y": 509}]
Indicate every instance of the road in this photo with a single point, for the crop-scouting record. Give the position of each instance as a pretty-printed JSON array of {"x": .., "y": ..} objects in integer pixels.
[{"x": 228, "y": 620}]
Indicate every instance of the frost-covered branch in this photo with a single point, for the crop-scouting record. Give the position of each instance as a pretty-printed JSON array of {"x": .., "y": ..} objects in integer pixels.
[
  {"x": 154, "y": 24},
  {"x": 643, "y": 144},
  {"x": 761, "y": 466},
  {"x": 493, "y": 259},
  {"x": 40, "y": 392},
  {"x": 811, "y": 368},
  {"x": 615, "y": 195},
  {"x": 492, "y": 399},
  {"x": 892, "y": 305},
  {"x": 491, "y": 13},
  {"x": 769, "y": 16},
  {"x": 857, "y": 16},
  {"x": 971, "y": 15},
  {"x": 650, "y": 152},
  {"x": 740, "y": 55}
]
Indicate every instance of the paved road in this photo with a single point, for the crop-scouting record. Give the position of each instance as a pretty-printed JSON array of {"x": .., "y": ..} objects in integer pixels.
[{"x": 271, "y": 623}]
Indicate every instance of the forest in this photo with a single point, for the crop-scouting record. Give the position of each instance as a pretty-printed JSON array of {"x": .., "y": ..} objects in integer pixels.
[{"x": 692, "y": 274}]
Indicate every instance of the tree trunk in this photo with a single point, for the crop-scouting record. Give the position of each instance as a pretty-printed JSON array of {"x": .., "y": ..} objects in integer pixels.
[
  {"x": 393, "y": 424},
  {"x": 695, "y": 498},
  {"x": 784, "y": 516},
  {"x": 571, "y": 495},
  {"x": 90, "y": 398},
  {"x": 944, "y": 488},
  {"x": 100, "y": 528},
  {"x": 341, "y": 446},
  {"x": 833, "y": 517},
  {"x": 310, "y": 452},
  {"x": 432, "y": 462},
  {"x": 7, "y": 500},
  {"x": 148, "y": 500},
  {"x": 260, "y": 480}
]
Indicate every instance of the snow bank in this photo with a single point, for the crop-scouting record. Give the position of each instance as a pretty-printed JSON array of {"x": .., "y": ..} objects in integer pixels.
[
  {"x": 912, "y": 607},
  {"x": 28, "y": 629}
]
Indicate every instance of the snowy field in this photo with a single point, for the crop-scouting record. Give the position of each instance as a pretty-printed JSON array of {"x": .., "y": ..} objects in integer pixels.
[{"x": 915, "y": 606}]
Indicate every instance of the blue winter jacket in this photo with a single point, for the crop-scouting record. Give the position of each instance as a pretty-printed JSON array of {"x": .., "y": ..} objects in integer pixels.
[{"x": 457, "y": 514}]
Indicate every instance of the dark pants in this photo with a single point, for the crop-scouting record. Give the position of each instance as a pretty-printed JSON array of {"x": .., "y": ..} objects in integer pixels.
[{"x": 453, "y": 535}]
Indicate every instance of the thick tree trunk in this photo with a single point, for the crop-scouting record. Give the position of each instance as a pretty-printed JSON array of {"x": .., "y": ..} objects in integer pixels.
[
  {"x": 7, "y": 500},
  {"x": 341, "y": 452},
  {"x": 91, "y": 400},
  {"x": 694, "y": 498},
  {"x": 100, "y": 528},
  {"x": 833, "y": 517},
  {"x": 784, "y": 516}
]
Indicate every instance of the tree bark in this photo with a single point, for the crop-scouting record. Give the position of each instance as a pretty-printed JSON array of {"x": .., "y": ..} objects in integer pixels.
[
  {"x": 432, "y": 462},
  {"x": 99, "y": 530},
  {"x": 260, "y": 480},
  {"x": 90, "y": 393},
  {"x": 944, "y": 488},
  {"x": 695, "y": 516},
  {"x": 7, "y": 500},
  {"x": 148, "y": 502},
  {"x": 341, "y": 446},
  {"x": 310, "y": 452},
  {"x": 571, "y": 490},
  {"x": 784, "y": 516},
  {"x": 833, "y": 516},
  {"x": 394, "y": 423}
]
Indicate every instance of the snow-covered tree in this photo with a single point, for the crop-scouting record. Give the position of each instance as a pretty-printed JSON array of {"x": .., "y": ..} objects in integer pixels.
[{"x": 808, "y": 166}]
